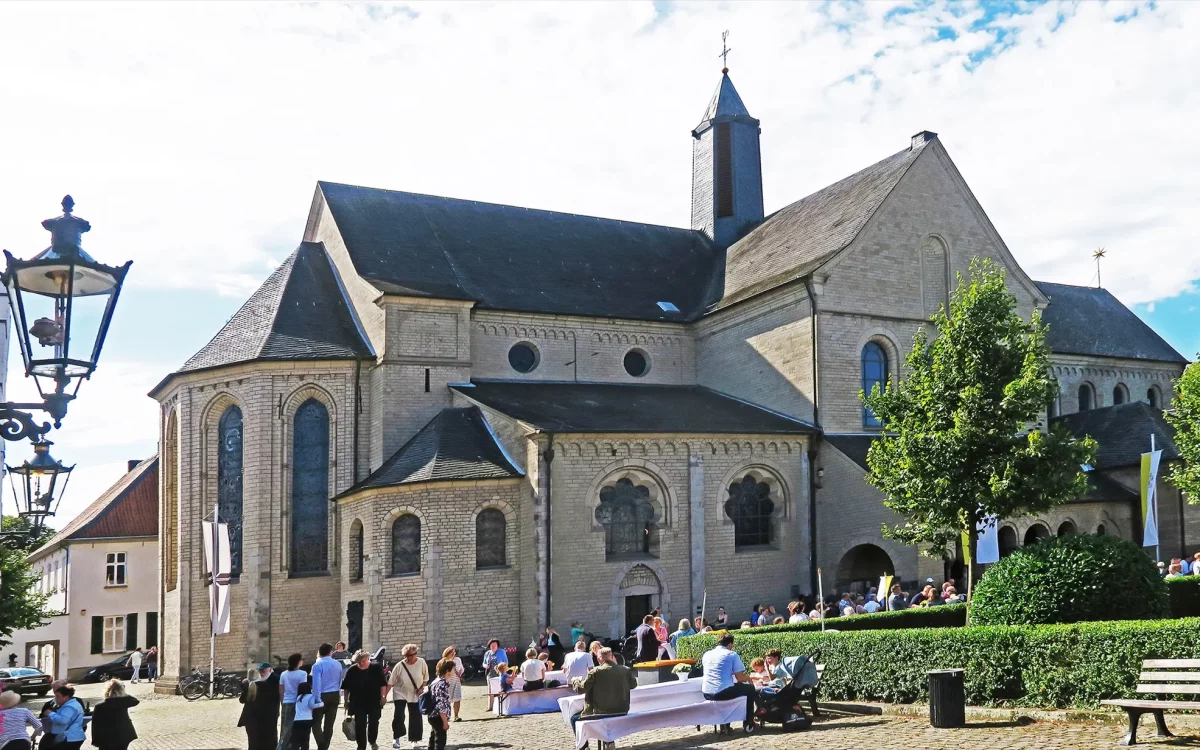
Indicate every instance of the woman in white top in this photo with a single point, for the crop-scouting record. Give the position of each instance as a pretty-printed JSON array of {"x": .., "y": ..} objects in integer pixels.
[
  {"x": 15, "y": 723},
  {"x": 533, "y": 670},
  {"x": 454, "y": 679},
  {"x": 796, "y": 610}
]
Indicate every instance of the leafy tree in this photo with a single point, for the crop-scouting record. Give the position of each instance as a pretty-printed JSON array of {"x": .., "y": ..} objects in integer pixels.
[
  {"x": 1185, "y": 418},
  {"x": 957, "y": 444},
  {"x": 21, "y": 607},
  {"x": 20, "y": 529}
]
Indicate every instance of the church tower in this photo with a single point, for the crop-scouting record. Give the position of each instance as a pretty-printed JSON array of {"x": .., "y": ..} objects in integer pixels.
[{"x": 727, "y": 197}]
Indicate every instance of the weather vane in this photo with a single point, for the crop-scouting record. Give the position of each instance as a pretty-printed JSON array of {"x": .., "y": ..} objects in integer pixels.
[
  {"x": 1098, "y": 254},
  {"x": 724, "y": 52}
]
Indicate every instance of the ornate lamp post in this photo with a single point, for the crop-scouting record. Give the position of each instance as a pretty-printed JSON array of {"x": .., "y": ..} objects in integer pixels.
[{"x": 38, "y": 487}]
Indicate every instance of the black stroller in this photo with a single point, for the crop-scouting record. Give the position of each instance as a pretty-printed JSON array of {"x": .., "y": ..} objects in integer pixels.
[{"x": 783, "y": 705}]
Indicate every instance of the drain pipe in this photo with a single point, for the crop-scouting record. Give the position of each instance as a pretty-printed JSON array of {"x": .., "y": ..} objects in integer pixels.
[
  {"x": 548, "y": 457},
  {"x": 816, "y": 439}
]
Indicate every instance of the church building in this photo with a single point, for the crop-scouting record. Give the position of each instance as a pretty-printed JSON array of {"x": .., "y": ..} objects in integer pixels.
[{"x": 441, "y": 421}]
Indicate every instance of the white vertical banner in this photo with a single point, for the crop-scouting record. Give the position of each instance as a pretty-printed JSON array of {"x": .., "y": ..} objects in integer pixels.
[
  {"x": 987, "y": 541},
  {"x": 216, "y": 540},
  {"x": 1150, "y": 463}
]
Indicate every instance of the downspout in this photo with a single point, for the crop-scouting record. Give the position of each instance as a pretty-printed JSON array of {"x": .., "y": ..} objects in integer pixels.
[
  {"x": 816, "y": 439},
  {"x": 548, "y": 455}
]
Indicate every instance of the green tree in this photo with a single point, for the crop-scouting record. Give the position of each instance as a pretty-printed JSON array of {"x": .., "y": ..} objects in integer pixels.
[
  {"x": 20, "y": 533},
  {"x": 1185, "y": 418},
  {"x": 21, "y": 607},
  {"x": 957, "y": 443}
]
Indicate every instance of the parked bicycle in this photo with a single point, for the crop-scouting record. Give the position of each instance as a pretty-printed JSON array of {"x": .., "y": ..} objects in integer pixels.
[
  {"x": 472, "y": 659},
  {"x": 196, "y": 685}
]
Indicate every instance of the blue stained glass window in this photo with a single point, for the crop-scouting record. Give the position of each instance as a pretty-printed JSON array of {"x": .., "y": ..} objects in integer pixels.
[
  {"x": 310, "y": 488},
  {"x": 874, "y": 372},
  {"x": 406, "y": 545},
  {"x": 229, "y": 482}
]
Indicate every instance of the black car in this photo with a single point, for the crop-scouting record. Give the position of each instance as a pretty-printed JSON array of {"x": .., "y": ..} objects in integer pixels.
[
  {"x": 116, "y": 668},
  {"x": 25, "y": 680}
]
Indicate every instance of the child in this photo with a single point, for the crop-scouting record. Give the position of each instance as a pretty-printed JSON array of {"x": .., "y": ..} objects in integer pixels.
[
  {"x": 302, "y": 725},
  {"x": 758, "y": 673},
  {"x": 505, "y": 673}
]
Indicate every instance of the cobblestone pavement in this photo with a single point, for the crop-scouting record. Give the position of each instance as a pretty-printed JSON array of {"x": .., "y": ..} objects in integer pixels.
[{"x": 171, "y": 723}]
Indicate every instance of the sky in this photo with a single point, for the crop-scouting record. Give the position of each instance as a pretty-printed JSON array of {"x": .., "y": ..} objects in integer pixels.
[{"x": 191, "y": 135}]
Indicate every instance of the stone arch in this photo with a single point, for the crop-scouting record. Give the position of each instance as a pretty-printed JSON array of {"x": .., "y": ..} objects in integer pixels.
[
  {"x": 1089, "y": 397},
  {"x": 633, "y": 579},
  {"x": 935, "y": 274},
  {"x": 887, "y": 339},
  {"x": 1154, "y": 396},
  {"x": 1067, "y": 528},
  {"x": 1007, "y": 539},
  {"x": 1035, "y": 533},
  {"x": 763, "y": 469},
  {"x": 862, "y": 564},
  {"x": 639, "y": 471}
]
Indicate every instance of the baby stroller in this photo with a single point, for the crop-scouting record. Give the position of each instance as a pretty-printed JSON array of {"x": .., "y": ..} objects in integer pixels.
[{"x": 782, "y": 705}]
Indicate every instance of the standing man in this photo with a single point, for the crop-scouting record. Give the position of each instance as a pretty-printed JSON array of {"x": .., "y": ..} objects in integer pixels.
[
  {"x": 152, "y": 663},
  {"x": 725, "y": 678},
  {"x": 135, "y": 661},
  {"x": 407, "y": 680},
  {"x": 366, "y": 692},
  {"x": 326, "y": 685},
  {"x": 647, "y": 641}
]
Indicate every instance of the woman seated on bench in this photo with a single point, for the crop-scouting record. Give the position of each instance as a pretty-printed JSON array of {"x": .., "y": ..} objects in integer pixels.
[{"x": 533, "y": 670}]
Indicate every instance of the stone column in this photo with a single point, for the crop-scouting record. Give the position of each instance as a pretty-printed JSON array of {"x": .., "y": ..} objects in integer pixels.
[
  {"x": 373, "y": 606},
  {"x": 257, "y": 577},
  {"x": 696, "y": 527},
  {"x": 542, "y": 540},
  {"x": 804, "y": 511},
  {"x": 433, "y": 602}
]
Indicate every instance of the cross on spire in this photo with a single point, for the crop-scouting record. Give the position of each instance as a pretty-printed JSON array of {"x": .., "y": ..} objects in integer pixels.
[{"x": 724, "y": 52}]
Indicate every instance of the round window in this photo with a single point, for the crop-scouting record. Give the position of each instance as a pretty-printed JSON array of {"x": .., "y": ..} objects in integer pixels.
[
  {"x": 636, "y": 363},
  {"x": 523, "y": 357}
]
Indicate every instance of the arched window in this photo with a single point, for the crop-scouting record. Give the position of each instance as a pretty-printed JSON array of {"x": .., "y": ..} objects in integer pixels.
[
  {"x": 1066, "y": 528},
  {"x": 1153, "y": 398},
  {"x": 310, "y": 488},
  {"x": 1120, "y": 394},
  {"x": 752, "y": 511},
  {"x": 490, "y": 531},
  {"x": 406, "y": 545},
  {"x": 1087, "y": 397},
  {"x": 356, "y": 551},
  {"x": 229, "y": 482},
  {"x": 627, "y": 515},
  {"x": 874, "y": 373},
  {"x": 1036, "y": 533},
  {"x": 1101, "y": 530}
]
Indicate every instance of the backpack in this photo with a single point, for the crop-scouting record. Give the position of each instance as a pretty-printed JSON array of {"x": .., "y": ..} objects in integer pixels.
[{"x": 426, "y": 704}]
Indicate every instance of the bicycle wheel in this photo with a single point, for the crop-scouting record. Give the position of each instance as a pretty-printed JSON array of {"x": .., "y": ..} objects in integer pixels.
[
  {"x": 231, "y": 687},
  {"x": 195, "y": 690}
]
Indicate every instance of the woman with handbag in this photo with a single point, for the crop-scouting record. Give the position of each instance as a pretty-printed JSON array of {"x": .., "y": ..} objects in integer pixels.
[{"x": 407, "y": 681}]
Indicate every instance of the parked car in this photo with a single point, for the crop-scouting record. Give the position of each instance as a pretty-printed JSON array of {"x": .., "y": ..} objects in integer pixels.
[
  {"x": 25, "y": 680},
  {"x": 116, "y": 668}
]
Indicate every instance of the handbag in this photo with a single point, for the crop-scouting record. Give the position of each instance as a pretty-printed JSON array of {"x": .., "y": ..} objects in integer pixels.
[{"x": 348, "y": 728}]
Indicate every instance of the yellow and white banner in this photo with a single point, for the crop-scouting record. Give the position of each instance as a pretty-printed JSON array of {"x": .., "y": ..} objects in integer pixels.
[
  {"x": 885, "y": 585},
  {"x": 1150, "y": 463}
]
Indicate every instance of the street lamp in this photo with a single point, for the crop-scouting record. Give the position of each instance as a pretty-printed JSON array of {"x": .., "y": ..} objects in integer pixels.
[
  {"x": 62, "y": 302},
  {"x": 42, "y": 481}
]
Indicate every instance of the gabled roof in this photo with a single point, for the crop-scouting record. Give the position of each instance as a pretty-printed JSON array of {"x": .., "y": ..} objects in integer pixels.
[
  {"x": 610, "y": 407},
  {"x": 1105, "y": 489},
  {"x": 1123, "y": 433},
  {"x": 129, "y": 508},
  {"x": 457, "y": 444},
  {"x": 299, "y": 312},
  {"x": 725, "y": 102},
  {"x": 1090, "y": 321},
  {"x": 521, "y": 259},
  {"x": 801, "y": 237}
]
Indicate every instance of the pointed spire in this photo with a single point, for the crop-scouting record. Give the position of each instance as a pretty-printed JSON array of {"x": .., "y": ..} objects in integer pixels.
[{"x": 725, "y": 102}]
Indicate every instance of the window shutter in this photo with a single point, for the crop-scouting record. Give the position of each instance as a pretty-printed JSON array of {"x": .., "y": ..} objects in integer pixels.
[
  {"x": 97, "y": 635},
  {"x": 724, "y": 170},
  {"x": 151, "y": 629},
  {"x": 131, "y": 641}
]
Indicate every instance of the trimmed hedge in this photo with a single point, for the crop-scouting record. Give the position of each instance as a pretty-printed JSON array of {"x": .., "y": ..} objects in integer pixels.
[
  {"x": 1076, "y": 578},
  {"x": 943, "y": 616},
  {"x": 1185, "y": 596},
  {"x": 1042, "y": 666}
]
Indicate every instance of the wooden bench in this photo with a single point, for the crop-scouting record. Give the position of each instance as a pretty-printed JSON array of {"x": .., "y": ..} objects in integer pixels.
[{"x": 1160, "y": 677}]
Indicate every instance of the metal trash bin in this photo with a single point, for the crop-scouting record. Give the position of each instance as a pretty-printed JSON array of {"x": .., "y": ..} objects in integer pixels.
[{"x": 947, "y": 699}]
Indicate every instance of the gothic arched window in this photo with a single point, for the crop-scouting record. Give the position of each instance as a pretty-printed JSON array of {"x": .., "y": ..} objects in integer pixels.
[
  {"x": 310, "y": 488},
  {"x": 229, "y": 482},
  {"x": 627, "y": 515},
  {"x": 356, "y": 551},
  {"x": 752, "y": 511},
  {"x": 406, "y": 545},
  {"x": 874, "y": 373},
  {"x": 490, "y": 531},
  {"x": 1087, "y": 397}
]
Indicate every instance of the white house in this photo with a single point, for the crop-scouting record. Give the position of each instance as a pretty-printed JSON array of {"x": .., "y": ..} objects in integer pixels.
[{"x": 101, "y": 571}]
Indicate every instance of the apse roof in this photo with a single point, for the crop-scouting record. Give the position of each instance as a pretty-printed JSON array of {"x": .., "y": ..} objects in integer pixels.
[{"x": 1091, "y": 321}]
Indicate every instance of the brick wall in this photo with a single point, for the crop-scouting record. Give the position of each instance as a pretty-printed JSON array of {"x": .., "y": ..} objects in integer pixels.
[{"x": 1104, "y": 375}]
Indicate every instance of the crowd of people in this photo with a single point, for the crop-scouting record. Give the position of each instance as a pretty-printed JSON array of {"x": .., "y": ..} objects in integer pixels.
[
  {"x": 1180, "y": 566},
  {"x": 65, "y": 721}
]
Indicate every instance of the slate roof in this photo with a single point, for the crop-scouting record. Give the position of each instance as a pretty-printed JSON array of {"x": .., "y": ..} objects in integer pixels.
[
  {"x": 129, "y": 508},
  {"x": 725, "y": 102},
  {"x": 801, "y": 237},
  {"x": 608, "y": 407},
  {"x": 1123, "y": 433},
  {"x": 299, "y": 312},
  {"x": 456, "y": 444},
  {"x": 1087, "y": 320},
  {"x": 521, "y": 259},
  {"x": 1102, "y": 488},
  {"x": 854, "y": 447}
]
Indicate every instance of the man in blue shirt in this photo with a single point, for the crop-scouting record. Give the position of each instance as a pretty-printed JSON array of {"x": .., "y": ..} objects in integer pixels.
[
  {"x": 327, "y": 684},
  {"x": 725, "y": 678}
]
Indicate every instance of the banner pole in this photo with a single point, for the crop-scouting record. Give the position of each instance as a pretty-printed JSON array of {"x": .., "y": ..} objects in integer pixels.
[
  {"x": 213, "y": 604},
  {"x": 704, "y": 605},
  {"x": 821, "y": 599}
]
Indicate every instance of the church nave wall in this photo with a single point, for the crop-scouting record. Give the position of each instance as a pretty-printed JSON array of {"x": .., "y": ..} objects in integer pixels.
[{"x": 1106, "y": 375}]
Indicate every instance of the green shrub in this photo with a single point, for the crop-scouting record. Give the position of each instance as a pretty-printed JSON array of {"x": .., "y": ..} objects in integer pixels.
[
  {"x": 1077, "y": 578},
  {"x": 1043, "y": 666},
  {"x": 944, "y": 616},
  {"x": 1185, "y": 596}
]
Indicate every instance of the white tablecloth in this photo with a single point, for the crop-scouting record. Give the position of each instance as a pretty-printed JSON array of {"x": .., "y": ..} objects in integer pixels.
[
  {"x": 704, "y": 713},
  {"x": 519, "y": 702},
  {"x": 648, "y": 698}
]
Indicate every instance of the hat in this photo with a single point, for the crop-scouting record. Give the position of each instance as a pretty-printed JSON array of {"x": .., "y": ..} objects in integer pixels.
[
  {"x": 263, "y": 665},
  {"x": 8, "y": 699}
]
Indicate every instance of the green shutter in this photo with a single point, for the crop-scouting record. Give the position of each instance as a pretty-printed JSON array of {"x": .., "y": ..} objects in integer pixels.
[
  {"x": 151, "y": 629},
  {"x": 131, "y": 641},
  {"x": 97, "y": 635}
]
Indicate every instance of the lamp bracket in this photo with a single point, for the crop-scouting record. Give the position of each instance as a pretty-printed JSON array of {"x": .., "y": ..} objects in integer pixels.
[{"x": 18, "y": 425}]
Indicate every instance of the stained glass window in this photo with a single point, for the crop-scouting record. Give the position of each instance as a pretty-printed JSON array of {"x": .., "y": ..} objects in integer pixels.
[
  {"x": 750, "y": 508},
  {"x": 627, "y": 515},
  {"x": 229, "y": 482},
  {"x": 490, "y": 528},
  {"x": 406, "y": 545},
  {"x": 356, "y": 551},
  {"x": 310, "y": 488},
  {"x": 874, "y": 372}
]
